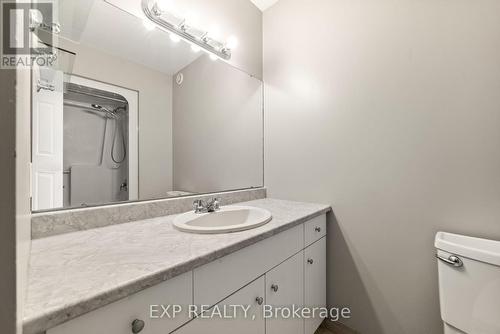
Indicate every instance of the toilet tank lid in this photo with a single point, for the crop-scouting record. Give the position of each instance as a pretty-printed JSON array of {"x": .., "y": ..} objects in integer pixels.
[{"x": 483, "y": 250}]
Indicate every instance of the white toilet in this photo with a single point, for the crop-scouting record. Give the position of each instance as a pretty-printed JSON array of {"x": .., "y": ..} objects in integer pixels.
[{"x": 469, "y": 284}]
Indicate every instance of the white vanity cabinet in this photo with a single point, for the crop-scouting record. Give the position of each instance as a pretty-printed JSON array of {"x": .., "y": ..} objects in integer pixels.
[{"x": 281, "y": 271}]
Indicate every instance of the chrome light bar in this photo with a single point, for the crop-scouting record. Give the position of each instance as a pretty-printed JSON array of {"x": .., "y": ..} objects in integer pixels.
[{"x": 191, "y": 34}]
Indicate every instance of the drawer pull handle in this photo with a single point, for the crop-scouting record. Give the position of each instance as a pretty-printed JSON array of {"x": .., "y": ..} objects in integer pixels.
[
  {"x": 274, "y": 287},
  {"x": 259, "y": 300},
  {"x": 137, "y": 326},
  {"x": 318, "y": 229},
  {"x": 310, "y": 261}
]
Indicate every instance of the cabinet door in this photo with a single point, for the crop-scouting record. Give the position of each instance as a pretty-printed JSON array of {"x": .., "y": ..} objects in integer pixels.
[
  {"x": 284, "y": 289},
  {"x": 315, "y": 281},
  {"x": 250, "y": 296}
]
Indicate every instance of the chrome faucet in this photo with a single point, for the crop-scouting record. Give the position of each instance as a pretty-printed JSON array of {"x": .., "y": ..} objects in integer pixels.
[{"x": 212, "y": 205}]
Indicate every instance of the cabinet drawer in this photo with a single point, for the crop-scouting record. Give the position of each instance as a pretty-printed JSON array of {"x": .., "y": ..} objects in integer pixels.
[
  {"x": 117, "y": 317},
  {"x": 215, "y": 281},
  {"x": 314, "y": 230}
]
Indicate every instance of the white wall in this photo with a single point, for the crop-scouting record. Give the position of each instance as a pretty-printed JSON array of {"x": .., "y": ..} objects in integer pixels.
[
  {"x": 217, "y": 126},
  {"x": 390, "y": 111},
  {"x": 155, "y": 112}
]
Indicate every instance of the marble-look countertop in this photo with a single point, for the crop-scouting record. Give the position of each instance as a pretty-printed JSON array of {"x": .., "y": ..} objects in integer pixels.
[{"x": 75, "y": 273}]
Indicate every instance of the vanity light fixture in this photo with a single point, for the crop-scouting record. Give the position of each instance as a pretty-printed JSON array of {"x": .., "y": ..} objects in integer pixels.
[{"x": 157, "y": 12}]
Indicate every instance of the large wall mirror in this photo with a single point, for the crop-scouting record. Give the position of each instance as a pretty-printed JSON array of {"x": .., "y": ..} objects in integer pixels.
[{"x": 138, "y": 115}]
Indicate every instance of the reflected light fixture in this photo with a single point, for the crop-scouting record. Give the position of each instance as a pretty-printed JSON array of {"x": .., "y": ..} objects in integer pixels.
[{"x": 160, "y": 12}]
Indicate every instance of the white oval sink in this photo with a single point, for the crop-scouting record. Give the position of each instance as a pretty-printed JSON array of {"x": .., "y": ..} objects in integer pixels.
[{"x": 227, "y": 219}]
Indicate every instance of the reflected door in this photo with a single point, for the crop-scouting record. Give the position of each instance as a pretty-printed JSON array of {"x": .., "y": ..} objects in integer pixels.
[{"x": 47, "y": 136}]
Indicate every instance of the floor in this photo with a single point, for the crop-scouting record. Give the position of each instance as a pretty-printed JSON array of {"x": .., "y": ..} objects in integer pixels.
[{"x": 323, "y": 330}]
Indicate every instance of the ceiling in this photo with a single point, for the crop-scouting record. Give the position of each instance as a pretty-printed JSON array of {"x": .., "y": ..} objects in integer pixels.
[{"x": 264, "y": 4}]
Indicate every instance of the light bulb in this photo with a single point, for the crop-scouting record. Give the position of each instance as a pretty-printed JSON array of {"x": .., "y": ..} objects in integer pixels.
[
  {"x": 195, "y": 48},
  {"x": 232, "y": 43},
  {"x": 214, "y": 32},
  {"x": 174, "y": 38},
  {"x": 148, "y": 25},
  {"x": 192, "y": 19},
  {"x": 213, "y": 57}
]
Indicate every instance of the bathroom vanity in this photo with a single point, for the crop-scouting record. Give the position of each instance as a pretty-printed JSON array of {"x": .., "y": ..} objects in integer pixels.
[
  {"x": 121, "y": 126},
  {"x": 122, "y": 278}
]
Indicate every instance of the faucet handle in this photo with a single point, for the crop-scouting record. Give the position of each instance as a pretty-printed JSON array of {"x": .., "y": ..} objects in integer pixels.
[
  {"x": 216, "y": 203},
  {"x": 213, "y": 204},
  {"x": 198, "y": 206}
]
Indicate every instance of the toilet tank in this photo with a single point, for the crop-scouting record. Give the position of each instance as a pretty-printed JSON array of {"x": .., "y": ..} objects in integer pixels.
[{"x": 469, "y": 283}]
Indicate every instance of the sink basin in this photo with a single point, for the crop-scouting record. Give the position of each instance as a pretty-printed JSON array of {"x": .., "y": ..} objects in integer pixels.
[{"x": 228, "y": 219}]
